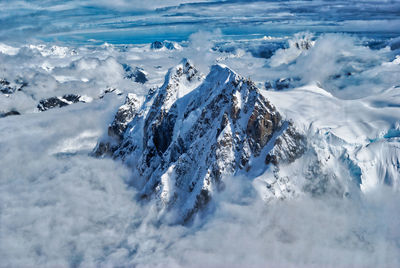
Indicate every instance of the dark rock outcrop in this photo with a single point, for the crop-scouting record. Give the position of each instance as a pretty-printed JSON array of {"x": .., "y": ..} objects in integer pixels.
[
  {"x": 156, "y": 45},
  {"x": 110, "y": 90},
  {"x": 138, "y": 74},
  {"x": 50, "y": 103},
  {"x": 58, "y": 102},
  {"x": 304, "y": 44},
  {"x": 124, "y": 115},
  {"x": 7, "y": 87},
  {"x": 13, "y": 112},
  {"x": 281, "y": 84}
]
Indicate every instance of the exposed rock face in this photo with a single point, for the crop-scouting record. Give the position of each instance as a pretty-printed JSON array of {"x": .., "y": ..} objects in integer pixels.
[
  {"x": 13, "y": 112},
  {"x": 67, "y": 99},
  {"x": 289, "y": 146},
  {"x": 156, "y": 45},
  {"x": 108, "y": 91},
  {"x": 194, "y": 132},
  {"x": 58, "y": 102},
  {"x": 124, "y": 115},
  {"x": 268, "y": 85},
  {"x": 7, "y": 87},
  {"x": 281, "y": 83},
  {"x": 72, "y": 98},
  {"x": 138, "y": 74},
  {"x": 304, "y": 44}
]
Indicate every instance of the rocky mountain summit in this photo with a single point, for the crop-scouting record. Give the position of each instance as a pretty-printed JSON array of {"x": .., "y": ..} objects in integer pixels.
[
  {"x": 67, "y": 99},
  {"x": 58, "y": 102},
  {"x": 158, "y": 45},
  {"x": 185, "y": 137},
  {"x": 135, "y": 74}
]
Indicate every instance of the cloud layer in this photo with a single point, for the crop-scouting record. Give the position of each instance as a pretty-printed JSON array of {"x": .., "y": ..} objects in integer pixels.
[
  {"x": 61, "y": 207},
  {"x": 137, "y": 21}
]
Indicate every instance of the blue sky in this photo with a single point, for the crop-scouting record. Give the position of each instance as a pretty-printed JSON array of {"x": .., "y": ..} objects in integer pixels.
[{"x": 123, "y": 21}]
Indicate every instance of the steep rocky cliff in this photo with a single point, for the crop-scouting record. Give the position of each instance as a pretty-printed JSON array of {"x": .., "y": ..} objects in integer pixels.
[{"x": 184, "y": 138}]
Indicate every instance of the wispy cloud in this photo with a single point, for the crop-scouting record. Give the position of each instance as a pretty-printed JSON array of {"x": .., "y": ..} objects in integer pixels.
[{"x": 47, "y": 19}]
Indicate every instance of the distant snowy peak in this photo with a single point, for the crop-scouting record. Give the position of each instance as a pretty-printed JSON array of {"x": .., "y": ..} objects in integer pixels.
[
  {"x": 7, "y": 87},
  {"x": 298, "y": 45},
  {"x": 67, "y": 99},
  {"x": 165, "y": 45},
  {"x": 136, "y": 74},
  {"x": 8, "y": 50},
  {"x": 55, "y": 51},
  {"x": 194, "y": 131},
  {"x": 58, "y": 102}
]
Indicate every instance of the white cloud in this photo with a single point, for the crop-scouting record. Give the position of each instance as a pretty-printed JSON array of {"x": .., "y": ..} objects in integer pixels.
[
  {"x": 50, "y": 19},
  {"x": 61, "y": 207},
  {"x": 138, "y": 5}
]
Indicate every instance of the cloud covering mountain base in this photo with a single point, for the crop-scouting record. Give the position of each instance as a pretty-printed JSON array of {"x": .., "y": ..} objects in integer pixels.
[
  {"x": 59, "y": 206},
  {"x": 77, "y": 211}
]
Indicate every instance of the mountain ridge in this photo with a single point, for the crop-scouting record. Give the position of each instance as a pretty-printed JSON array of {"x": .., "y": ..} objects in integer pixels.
[{"x": 193, "y": 132}]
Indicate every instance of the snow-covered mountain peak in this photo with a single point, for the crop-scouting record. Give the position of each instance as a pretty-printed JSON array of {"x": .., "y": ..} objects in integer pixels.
[
  {"x": 185, "y": 73},
  {"x": 181, "y": 146},
  {"x": 179, "y": 81},
  {"x": 221, "y": 74}
]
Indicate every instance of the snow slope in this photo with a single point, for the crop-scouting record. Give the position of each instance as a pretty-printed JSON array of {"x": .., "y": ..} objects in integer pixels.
[{"x": 356, "y": 136}]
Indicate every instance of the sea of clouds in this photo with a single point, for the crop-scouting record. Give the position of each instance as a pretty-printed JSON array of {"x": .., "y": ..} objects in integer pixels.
[
  {"x": 124, "y": 21},
  {"x": 59, "y": 206}
]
